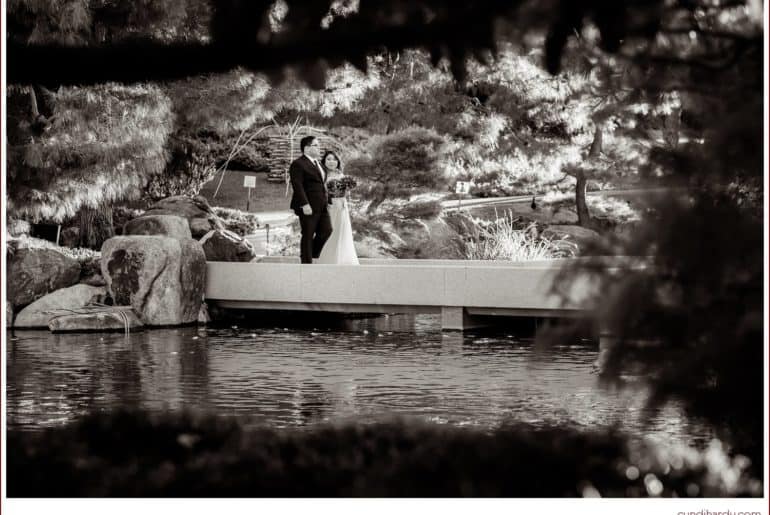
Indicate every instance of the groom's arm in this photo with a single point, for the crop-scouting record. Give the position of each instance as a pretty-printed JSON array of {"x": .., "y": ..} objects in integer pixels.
[{"x": 295, "y": 174}]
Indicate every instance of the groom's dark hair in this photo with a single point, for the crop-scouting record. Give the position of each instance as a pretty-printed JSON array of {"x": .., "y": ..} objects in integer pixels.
[{"x": 307, "y": 140}]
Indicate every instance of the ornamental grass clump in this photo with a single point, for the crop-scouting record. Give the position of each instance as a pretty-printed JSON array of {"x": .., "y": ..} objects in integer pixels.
[{"x": 503, "y": 239}]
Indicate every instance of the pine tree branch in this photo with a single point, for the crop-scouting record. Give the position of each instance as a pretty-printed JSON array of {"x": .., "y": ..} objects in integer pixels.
[
  {"x": 349, "y": 40},
  {"x": 716, "y": 34},
  {"x": 713, "y": 62}
]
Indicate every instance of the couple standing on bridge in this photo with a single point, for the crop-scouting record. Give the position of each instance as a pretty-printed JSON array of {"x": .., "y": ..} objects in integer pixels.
[{"x": 319, "y": 200}]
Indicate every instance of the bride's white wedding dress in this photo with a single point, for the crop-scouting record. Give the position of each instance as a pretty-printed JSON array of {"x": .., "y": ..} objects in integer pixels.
[{"x": 339, "y": 249}]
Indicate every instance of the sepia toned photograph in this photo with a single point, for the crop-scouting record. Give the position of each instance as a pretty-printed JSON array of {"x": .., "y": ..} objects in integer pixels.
[{"x": 380, "y": 250}]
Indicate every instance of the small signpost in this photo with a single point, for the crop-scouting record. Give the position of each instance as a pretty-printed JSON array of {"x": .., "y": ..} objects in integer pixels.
[
  {"x": 462, "y": 188},
  {"x": 249, "y": 182}
]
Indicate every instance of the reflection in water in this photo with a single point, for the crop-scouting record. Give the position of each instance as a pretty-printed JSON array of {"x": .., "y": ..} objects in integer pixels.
[{"x": 331, "y": 370}]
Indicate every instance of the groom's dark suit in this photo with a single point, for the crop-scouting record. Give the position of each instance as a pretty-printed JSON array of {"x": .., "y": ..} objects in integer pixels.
[{"x": 309, "y": 188}]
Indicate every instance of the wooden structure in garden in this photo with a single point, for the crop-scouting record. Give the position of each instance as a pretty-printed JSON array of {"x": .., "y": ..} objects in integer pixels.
[{"x": 282, "y": 142}]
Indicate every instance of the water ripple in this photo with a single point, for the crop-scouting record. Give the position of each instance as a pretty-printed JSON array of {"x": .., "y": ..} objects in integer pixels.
[{"x": 401, "y": 366}]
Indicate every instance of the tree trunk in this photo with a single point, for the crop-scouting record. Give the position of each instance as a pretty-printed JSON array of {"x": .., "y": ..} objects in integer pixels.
[
  {"x": 671, "y": 127},
  {"x": 596, "y": 144},
  {"x": 41, "y": 109},
  {"x": 584, "y": 217},
  {"x": 34, "y": 111},
  {"x": 95, "y": 226},
  {"x": 375, "y": 203}
]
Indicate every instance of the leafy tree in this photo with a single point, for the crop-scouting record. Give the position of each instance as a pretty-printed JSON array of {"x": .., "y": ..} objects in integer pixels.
[
  {"x": 312, "y": 35},
  {"x": 211, "y": 111},
  {"x": 103, "y": 145},
  {"x": 400, "y": 165},
  {"x": 652, "y": 94},
  {"x": 700, "y": 296},
  {"x": 76, "y": 150},
  {"x": 214, "y": 104},
  {"x": 91, "y": 22}
]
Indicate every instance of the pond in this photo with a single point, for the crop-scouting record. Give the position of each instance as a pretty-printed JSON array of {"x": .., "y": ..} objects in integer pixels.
[{"x": 296, "y": 375}]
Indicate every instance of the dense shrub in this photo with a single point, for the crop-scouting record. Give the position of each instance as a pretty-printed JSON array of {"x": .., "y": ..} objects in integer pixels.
[
  {"x": 240, "y": 222},
  {"x": 424, "y": 209},
  {"x": 86, "y": 257},
  {"x": 17, "y": 226},
  {"x": 374, "y": 226},
  {"x": 283, "y": 242},
  {"x": 191, "y": 164},
  {"x": 121, "y": 215},
  {"x": 133, "y": 454}
]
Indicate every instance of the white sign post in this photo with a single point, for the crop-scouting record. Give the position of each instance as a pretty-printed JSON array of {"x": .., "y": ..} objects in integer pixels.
[
  {"x": 249, "y": 182},
  {"x": 462, "y": 188}
]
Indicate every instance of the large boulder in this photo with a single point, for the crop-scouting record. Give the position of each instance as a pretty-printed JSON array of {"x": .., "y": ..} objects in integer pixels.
[
  {"x": 39, "y": 313},
  {"x": 163, "y": 225},
  {"x": 224, "y": 245},
  {"x": 196, "y": 210},
  {"x": 97, "y": 319},
  {"x": 8, "y": 314},
  {"x": 162, "y": 278},
  {"x": 33, "y": 273}
]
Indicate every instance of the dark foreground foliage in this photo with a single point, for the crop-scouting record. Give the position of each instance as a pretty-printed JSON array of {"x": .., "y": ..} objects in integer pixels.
[{"x": 133, "y": 454}]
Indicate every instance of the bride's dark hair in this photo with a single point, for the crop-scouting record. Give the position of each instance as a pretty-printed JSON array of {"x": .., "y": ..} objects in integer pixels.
[{"x": 330, "y": 153}]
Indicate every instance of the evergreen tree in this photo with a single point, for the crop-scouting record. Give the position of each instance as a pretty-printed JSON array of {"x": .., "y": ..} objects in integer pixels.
[
  {"x": 400, "y": 165},
  {"x": 149, "y": 124},
  {"x": 79, "y": 149},
  {"x": 699, "y": 299},
  {"x": 103, "y": 146}
]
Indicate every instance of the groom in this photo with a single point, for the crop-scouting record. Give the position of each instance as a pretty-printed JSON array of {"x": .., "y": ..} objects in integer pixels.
[{"x": 310, "y": 199}]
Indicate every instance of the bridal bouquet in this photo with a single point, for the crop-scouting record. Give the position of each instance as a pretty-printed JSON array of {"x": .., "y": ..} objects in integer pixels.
[{"x": 338, "y": 187}]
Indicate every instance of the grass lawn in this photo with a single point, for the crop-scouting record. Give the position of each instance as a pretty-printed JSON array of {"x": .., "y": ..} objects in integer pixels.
[{"x": 267, "y": 196}]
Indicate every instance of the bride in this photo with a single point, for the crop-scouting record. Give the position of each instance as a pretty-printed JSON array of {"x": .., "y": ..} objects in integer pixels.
[{"x": 339, "y": 249}]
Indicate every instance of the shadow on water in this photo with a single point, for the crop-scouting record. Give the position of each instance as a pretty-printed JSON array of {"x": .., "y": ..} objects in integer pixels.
[
  {"x": 306, "y": 320},
  {"x": 519, "y": 328}
]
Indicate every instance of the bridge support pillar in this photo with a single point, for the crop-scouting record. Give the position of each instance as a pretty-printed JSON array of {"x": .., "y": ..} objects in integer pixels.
[{"x": 457, "y": 319}]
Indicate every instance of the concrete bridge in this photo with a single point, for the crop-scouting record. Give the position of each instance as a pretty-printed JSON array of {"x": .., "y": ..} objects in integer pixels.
[{"x": 460, "y": 290}]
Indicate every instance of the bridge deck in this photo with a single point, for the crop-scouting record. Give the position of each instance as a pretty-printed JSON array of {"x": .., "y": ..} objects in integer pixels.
[{"x": 457, "y": 289}]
